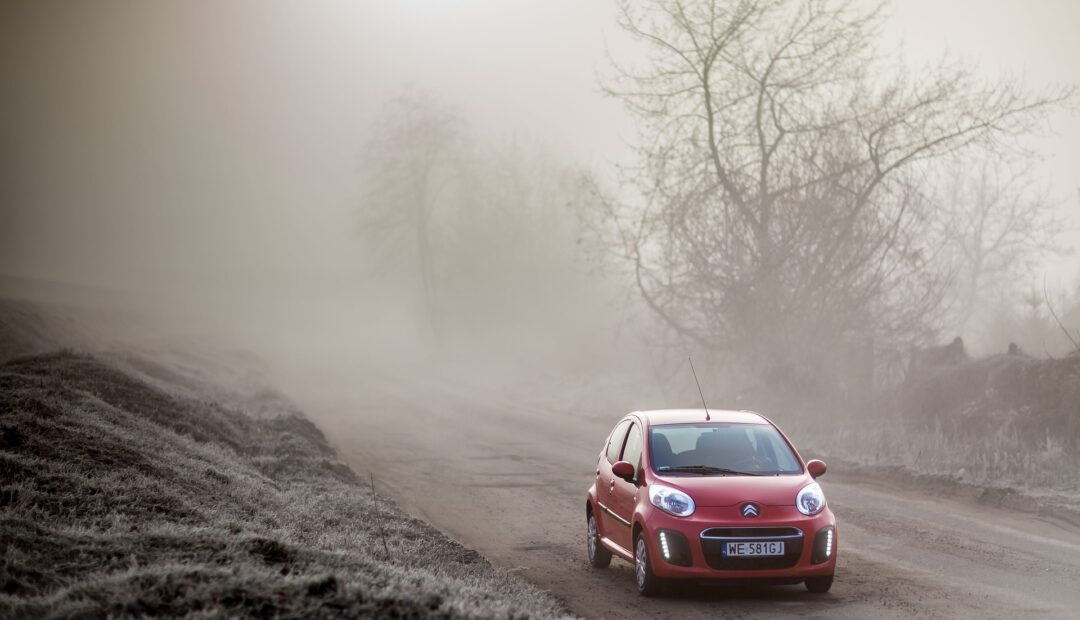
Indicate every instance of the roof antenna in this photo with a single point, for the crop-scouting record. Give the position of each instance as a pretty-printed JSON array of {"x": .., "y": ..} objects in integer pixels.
[{"x": 707, "y": 418}]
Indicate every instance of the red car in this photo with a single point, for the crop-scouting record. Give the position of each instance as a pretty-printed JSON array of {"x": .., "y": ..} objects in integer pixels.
[{"x": 722, "y": 495}]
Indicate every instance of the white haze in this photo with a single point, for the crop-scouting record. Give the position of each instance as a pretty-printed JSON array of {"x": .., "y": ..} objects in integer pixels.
[{"x": 203, "y": 156}]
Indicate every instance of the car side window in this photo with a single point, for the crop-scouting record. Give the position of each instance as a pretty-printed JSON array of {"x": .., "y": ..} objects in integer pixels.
[
  {"x": 632, "y": 452},
  {"x": 615, "y": 441}
]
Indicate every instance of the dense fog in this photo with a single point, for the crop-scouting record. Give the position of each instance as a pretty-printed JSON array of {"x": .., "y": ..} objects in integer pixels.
[{"x": 448, "y": 187}]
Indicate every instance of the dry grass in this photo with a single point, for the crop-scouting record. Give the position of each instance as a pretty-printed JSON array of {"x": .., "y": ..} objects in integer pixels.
[
  {"x": 123, "y": 495},
  {"x": 1006, "y": 421},
  {"x": 998, "y": 458}
]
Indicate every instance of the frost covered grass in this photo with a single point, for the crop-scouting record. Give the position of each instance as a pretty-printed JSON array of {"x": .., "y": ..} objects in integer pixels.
[
  {"x": 998, "y": 458},
  {"x": 124, "y": 494},
  {"x": 1002, "y": 421}
]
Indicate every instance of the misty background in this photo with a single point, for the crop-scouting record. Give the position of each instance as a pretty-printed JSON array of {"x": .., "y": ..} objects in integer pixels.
[{"x": 244, "y": 171}]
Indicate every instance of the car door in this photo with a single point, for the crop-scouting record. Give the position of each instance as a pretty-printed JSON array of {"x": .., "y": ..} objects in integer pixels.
[
  {"x": 605, "y": 481},
  {"x": 624, "y": 493}
]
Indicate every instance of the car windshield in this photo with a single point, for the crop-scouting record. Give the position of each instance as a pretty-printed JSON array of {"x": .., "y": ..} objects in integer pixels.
[{"x": 720, "y": 449}]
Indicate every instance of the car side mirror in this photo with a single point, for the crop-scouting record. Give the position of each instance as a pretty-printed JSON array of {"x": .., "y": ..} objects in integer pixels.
[
  {"x": 624, "y": 470},
  {"x": 816, "y": 468}
]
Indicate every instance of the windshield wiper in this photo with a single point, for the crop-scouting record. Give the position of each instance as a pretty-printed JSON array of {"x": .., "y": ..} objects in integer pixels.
[{"x": 707, "y": 469}]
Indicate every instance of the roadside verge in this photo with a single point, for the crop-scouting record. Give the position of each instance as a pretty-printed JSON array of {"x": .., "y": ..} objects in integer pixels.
[{"x": 125, "y": 493}]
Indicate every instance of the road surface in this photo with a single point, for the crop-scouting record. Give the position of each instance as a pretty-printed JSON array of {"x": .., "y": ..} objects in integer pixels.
[{"x": 509, "y": 481}]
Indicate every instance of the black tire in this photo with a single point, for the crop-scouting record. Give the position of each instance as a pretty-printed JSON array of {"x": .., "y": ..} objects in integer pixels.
[
  {"x": 819, "y": 585},
  {"x": 599, "y": 556},
  {"x": 648, "y": 584}
]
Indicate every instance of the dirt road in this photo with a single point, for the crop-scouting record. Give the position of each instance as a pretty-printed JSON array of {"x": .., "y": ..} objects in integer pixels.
[{"x": 510, "y": 481}]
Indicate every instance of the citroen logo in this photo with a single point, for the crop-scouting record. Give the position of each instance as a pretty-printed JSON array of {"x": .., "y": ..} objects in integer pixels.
[{"x": 750, "y": 510}]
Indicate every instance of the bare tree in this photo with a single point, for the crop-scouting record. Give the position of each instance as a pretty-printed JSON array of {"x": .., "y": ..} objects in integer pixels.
[
  {"x": 782, "y": 162},
  {"x": 483, "y": 229},
  {"x": 997, "y": 222},
  {"x": 413, "y": 157}
]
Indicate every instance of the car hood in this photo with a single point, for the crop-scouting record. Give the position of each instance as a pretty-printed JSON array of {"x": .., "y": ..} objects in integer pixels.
[{"x": 733, "y": 490}]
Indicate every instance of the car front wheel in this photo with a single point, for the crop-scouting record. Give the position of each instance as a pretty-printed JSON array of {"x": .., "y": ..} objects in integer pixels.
[
  {"x": 599, "y": 556},
  {"x": 648, "y": 584},
  {"x": 819, "y": 585}
]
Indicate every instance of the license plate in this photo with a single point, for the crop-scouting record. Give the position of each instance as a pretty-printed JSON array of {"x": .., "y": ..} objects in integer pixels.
[{"x": 753, "y": 549}]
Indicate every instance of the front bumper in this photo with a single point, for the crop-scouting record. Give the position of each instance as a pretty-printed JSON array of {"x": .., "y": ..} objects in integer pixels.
[{"x": 706, "y": 560}]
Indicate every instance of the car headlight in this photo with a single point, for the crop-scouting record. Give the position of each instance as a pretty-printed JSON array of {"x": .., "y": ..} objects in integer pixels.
[
  {"x": 671, "y": 501},
  {"x": 810, "y": 499}
]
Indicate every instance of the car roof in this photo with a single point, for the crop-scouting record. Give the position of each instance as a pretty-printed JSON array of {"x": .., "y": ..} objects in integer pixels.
[{"x": 690, "y": 416}]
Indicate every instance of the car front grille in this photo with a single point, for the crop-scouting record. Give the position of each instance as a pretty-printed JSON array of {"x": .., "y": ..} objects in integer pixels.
[
  {"x": 751, "y": 532},
  {"x": 713, "y": 540}
]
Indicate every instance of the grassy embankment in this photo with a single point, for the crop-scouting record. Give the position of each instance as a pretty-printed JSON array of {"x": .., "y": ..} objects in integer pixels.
[{"x": 125, "y": 493}]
